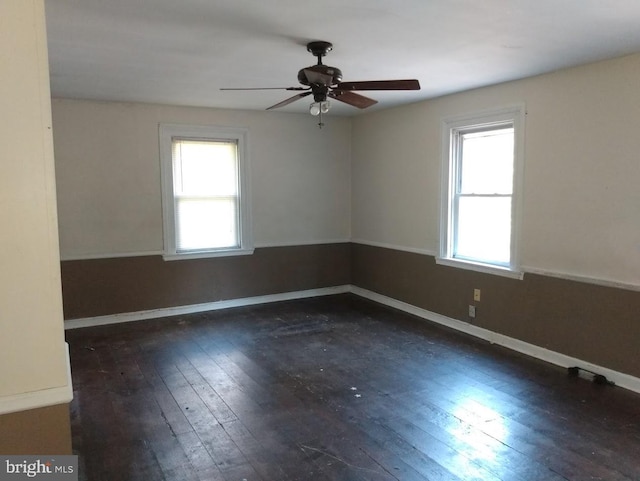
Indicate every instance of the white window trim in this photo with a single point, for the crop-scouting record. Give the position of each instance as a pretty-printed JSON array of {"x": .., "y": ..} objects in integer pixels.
[
  {"x": 167, "y": 132},
  {"x": 516, "y": 115}
]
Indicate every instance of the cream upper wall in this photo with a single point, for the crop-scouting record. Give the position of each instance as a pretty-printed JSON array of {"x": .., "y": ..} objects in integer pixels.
[
  {"x": 108, "y": 175},
  {"x": 582, "y": 170},
  {"x": 32, "y": 349}
]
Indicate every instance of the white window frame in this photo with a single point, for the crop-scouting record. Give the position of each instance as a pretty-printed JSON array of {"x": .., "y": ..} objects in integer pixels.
[
  {"x": 168, "y": 132},
  {"x": 451, "y": 128}
]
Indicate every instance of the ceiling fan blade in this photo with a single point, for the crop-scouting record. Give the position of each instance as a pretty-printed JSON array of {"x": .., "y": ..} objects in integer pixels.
[
  {"x": 318, "y": 77},
  {"x": 355, "y": 100},
  {"x": 266, "y": 88},
  {"x": 379, "y": 85},
  {"x": 289, "y": 100}
]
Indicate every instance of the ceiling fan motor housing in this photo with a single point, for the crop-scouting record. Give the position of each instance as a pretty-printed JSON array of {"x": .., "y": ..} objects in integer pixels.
[{"x": 326, "y": 72}]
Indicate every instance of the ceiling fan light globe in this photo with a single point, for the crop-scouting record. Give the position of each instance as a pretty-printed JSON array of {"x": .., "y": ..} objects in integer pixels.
[
  {"x": 314, "y": 109},
  {"x": 325, "y": 106}
]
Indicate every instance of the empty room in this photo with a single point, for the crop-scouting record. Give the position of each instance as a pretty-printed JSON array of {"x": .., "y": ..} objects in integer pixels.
[{"x": 260, "y": 241}]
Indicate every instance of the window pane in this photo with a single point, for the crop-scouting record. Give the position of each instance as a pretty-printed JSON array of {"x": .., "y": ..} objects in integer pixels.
[
  {"x": 487, "y": 162},
  {"x": 206, "y": 223},
  {"x": 205, "y": 168},
  {"x": 205, "y": 195},
  {"x": 483, "y": 229}
]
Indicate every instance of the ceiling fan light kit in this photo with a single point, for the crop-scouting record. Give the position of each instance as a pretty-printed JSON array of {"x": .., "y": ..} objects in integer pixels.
[
  {"x": 324, "y": 82},
  {"x": 317, "y": 108}
]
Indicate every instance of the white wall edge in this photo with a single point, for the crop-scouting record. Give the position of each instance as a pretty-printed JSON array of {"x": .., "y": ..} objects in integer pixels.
[
  {"x": 620, "y": 379},
  {"x": 524, "y": 269},
  {"x": 113, "y": 255},
  {"x": 258, "y": 245},
  {"x": 413, "y": 250},
  {"x": 195, "y": 308},
  {"x": 42, "y": 398},
  {"x": 583, "y": 279}
]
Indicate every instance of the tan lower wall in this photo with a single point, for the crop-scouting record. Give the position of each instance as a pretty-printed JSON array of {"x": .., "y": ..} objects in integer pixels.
[
  {"x": 101, "y": 287},
  {"x": 589, "y": 322},
  {"x": 37, "y": 431},
  {"x": 586, "y": 321}
]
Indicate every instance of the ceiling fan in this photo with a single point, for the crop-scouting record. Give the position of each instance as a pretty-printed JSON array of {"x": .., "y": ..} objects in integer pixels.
[{"x": 324, "y": 82}]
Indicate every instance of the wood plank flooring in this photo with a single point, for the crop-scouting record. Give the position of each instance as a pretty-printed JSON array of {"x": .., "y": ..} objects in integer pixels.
[{"x": 334, "y": 388}]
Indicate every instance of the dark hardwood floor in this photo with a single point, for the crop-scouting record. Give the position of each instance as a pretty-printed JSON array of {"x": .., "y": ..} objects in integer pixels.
[{"x": 334, "y": 388}]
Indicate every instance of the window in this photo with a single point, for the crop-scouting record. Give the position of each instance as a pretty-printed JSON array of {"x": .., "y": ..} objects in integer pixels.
[
  {"x": 482, "y": 172},
  {"x": 206, "y": 206}
]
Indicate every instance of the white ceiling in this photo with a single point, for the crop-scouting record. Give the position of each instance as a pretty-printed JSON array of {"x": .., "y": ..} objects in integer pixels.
[{"x": 183, "y": 51}]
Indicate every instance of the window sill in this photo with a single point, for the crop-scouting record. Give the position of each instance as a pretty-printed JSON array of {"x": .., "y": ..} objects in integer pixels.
[
  {"x": 206, "y": 254},
  {"x": 485, "y": 268}
]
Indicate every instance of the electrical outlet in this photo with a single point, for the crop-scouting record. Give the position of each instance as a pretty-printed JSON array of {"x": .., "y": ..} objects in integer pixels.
[
  {"x": 472, "y": 311},
  {"x": 476, "y": 295}
]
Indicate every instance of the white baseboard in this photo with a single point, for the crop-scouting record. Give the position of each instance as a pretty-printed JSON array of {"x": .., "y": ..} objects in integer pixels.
[
  {"x": 207, "y": 306},
  {"x": 620, "y": 379},
  {"x": 39, "y": 399}
]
